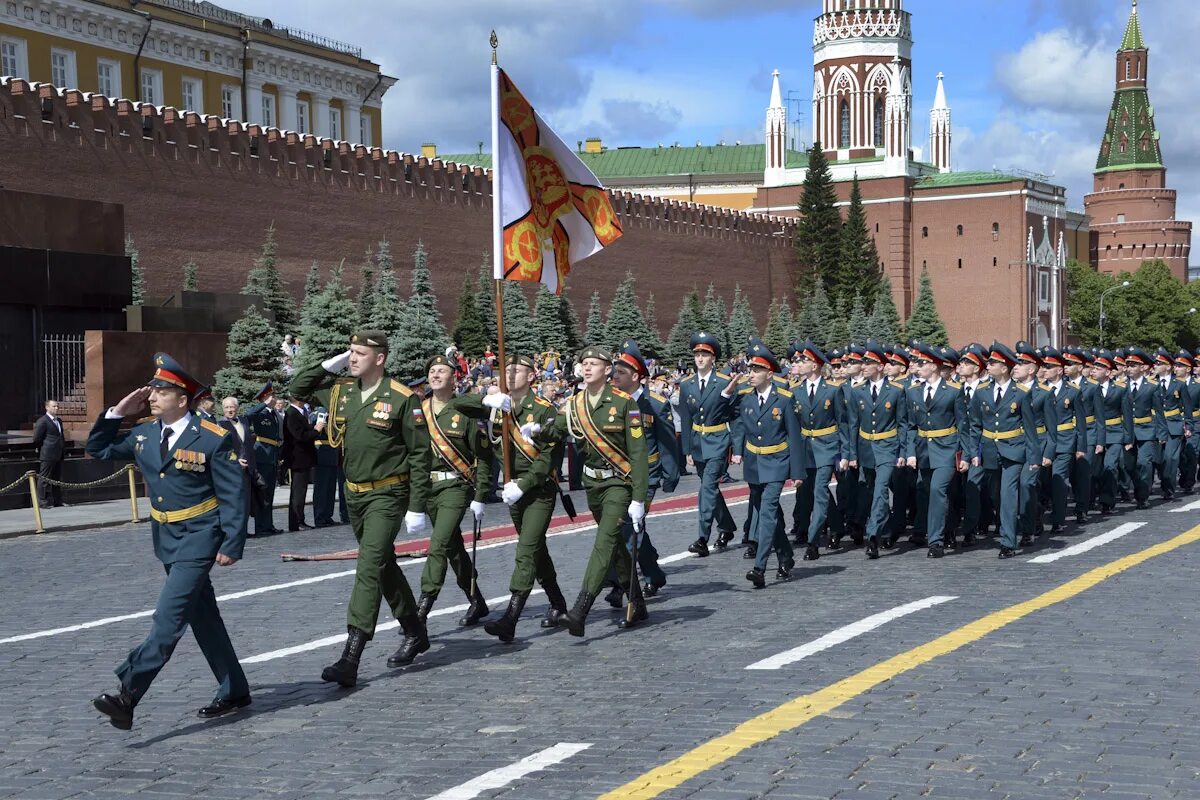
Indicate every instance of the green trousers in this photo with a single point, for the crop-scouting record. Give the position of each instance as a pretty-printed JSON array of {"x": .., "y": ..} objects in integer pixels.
[
  {"x": 531, "y": 517},
  {"x": 376, "y": 517},
  {"x": 446, "y": 509},
  {"x": 608, "y": 505}
]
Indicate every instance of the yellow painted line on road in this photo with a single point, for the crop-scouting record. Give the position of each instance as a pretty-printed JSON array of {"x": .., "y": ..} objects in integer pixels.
[{"x": 796, "y": 712}]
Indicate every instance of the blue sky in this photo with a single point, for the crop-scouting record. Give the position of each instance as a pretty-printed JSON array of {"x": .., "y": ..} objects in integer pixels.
[{"x": 1029, "y": 81}]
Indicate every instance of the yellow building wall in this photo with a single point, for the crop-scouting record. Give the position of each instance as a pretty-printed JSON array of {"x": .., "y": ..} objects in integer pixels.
[{"x": 738, "y": 201}]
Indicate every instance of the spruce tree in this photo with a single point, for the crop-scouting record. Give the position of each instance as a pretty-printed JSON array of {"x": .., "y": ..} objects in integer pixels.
[
  {"x": 778, "y": 333},
  {"x": 818, "y": 313},
  {"x": 859, "y": 263},
  {"x": 469, "y": 333},
  {"x": 570, "y": 323},
  {"x": 857, "y": 322},
  {"x": 807, "y": 326},
  {"x": 191, "y": 276},
  {"x": 653, "y": 346},
  {"x": 837, "y": 330},
  {"x": 366, "y": 289},
  {"x": 485, "y": 298},
  {"x": 265, "y": 281},
  {"x": 388, "y": 308},
  {"x": 137, "y": 280},
  {"x": 741, "y": 320},
  {"x": 326, "y": 322},
  {"x": 548, "y": 321},
  {"x": 419, "y": 333},
  {"x": 817, "y": 232},
  {"x": 625, "y": 320},
  {"x": 884, "y": 323},
  {"x": 519, "y": 333},
  {"x": 715, "y": 317},
  {"x": 594, "y": 333},
  {"x": 690, "y": 321},
  {"x": 312, "y": 287},
  {"x": 251, "y": 357},
  {"x": 925, "y": 324}
]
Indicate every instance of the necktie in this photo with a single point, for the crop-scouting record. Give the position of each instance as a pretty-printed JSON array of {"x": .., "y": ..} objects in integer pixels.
[
  {"x": 969, "y": 393},
  {"x": 928, "y": 395},
  {"x": 762, "y": 400},
  {"x": 164, "y": 446},
  {"x": 874, "y": 393},
  {"x": 812, "y": 392},
  {"x": 1055, "y": 392},
  {"x": 998, "y": 394},
  {"x": 702, "y": 386}
]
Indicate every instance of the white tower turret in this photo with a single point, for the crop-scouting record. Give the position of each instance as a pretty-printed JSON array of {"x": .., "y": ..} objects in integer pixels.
[
  {"x": 939, "y": 129},
  {"x": 776, "y": 131}
]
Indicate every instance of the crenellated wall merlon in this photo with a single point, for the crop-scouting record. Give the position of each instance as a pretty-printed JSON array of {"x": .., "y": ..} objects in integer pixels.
[{"x": 90, "y": 120}]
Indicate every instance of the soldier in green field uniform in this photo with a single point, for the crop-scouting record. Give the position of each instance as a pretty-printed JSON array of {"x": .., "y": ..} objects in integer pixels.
[
  {"x": 376, "y": 421},
  {"x": 607, "y": 424},
  {"x": 460, "y": 458}
]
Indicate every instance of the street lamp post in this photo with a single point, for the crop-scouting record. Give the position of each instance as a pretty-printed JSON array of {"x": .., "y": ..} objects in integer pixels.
[{"x": 1120, "y": 285}]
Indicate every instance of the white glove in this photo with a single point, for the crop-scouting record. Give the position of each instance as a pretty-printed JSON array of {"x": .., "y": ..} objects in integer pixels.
[
  {"x": 414, "y": 522},
  {"x": 337, "y": 363},
  {"x": 477, "y": 510},
  {"x": 529, "y": 430},
  {"x": 511, "y": 493},
  {"x": 637, "y": 513},
  {"x": 498, "y": 400}
]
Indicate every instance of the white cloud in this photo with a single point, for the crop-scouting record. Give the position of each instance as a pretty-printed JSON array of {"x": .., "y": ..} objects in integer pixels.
[{"x": 1058, "y": 69}]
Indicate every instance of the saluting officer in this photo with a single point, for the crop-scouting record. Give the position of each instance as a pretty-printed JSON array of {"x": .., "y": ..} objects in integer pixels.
[
  {"x": 198, "y": 518},
  {"x": 1177, "y": 416},
  {"x": 267, "y": 429},
  {"x": 1111, "y": 410},
  {"x": 375, "y": 422},
  {"x": 935, "y": 434},
  {"x": 877, "y": 415},
  {"x": 768, "y": 444},
  {"x": 820, "y": 406},
  {"x": 705, "y": 439},
  {"x": 1145, "y": 425},
  {"x": 1070, "y": 433}
]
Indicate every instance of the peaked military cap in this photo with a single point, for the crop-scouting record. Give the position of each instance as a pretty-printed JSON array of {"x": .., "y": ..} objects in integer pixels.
[
  {"x": 1028, "y": 354},
  {"x": 1001, "y": 353},
  {"x": 706, "y": 342},
  {"x": 925, "y": 352},
  {"x": 594, "y": 351},
  {"x": 1073, "y": 355},
  {"x": 630, "y": 355},
  {"x": 265, "y": 392},
  {"x": 949, "y": 356},
  {"x": 898, "y": 355},
  {"x": 809, "y": 351},
  {"x": 836, "y": 356},
  {"x": 856, "y": 352},
  {"x": 1051, "y": 357},
  {"x": 169, "y": 374},
  {"x": 1136, "y": 355},
  {"x": 873, "y": 351},
  {"x": 1119, "y": 356},
  {"x": 1183, "y": 358},
  {"x": 1162, "y": 356},
  {"x": 370, "y": 338},
  {"x": 203, "y": 393},
  {"x": 759, "y": 355},
  {"x": 1106, "y": 359},
  {"x": 976, "y": 354}
]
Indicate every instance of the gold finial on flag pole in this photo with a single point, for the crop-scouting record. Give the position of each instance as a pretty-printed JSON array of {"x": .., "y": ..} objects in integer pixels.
[{"x": 494, "y": 42}]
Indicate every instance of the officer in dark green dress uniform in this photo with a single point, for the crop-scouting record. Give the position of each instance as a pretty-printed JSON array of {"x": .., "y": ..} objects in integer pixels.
[
  {"x": 530, "y": 494},
  {"x": 1190, "y": 456},
  {"x": 607, "y": 424},
  {"x": 204, "y": 404},
  {"x": 853, "y": 502},
  {"x": 877, "y": 416},
  {"x": 329, "y": 481},
  {"x": 376, "y": 422},
  {"x": 1177, "y": 417},
  {"x": 1111, "y": 411},
  {"x": 267, "y": 430},
  {"x": 1145, "y": 424},
  {"x": 904, "y": 478},
  {"x": 1071, "y": 432},
  {"x": 1078, "y": 370},
  {"x": 198, "y": 518},
  {"x": 976, "y": 502},
  {"x": 820, "y": 406},
  {"x": 1045, "y": 425}
]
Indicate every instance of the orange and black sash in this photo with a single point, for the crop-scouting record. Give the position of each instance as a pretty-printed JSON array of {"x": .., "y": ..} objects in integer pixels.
[
  {"x": 611, "y": 453},
  {"x": 527, "y": 449},
  {"x": 441, "y": 443}
]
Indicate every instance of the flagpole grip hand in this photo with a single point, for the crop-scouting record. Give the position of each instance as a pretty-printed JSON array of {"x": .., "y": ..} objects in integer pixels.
[{"x": 498, "y": 400}]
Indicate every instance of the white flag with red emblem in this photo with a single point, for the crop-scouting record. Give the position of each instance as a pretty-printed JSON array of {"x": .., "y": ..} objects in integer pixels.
[{"x": 548, "y": 209}]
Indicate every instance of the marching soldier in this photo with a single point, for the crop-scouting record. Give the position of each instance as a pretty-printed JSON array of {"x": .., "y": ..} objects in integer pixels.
[
  {"x": 607, "y": 422},
  {"x": 767, "y": 442},
  {"x": 1177, "y": 417},
  {"x": 1188, "y": 458},
  {"x": 820, "y": 406},
  {"x": 705, "y": 439},
  {"x": 376, "y": 420},
  {"x": 460, "y": 453},
  {"x": 976, "y": 496},
  {"x": 1145, "y": 424},
  {"x": 530, "y": 493},
  {"x": 1076, "y": 362},
  {"x": 904, "y": 479},
  {"x": 1111, "y": 411},
  {"x": 877, "y": 414},
  {"x": 1046, "y": 425},
  {"x": 266, "y": 426},
  {"x": 853, "y": 503},
  {"x": 1004, "y": 433},
  {"x": 1070, "y": 433},
  {"x": 198, "y": 518},
  {"x": 935, "y": 434}
]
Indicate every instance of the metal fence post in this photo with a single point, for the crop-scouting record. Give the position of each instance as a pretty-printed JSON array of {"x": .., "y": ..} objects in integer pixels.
[
  {"x": 33, "y": 495},
  {"x": 132, "y": 493}
]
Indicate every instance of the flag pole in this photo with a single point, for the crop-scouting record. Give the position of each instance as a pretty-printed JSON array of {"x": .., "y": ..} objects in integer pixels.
[{"x": 498, "y": 264}]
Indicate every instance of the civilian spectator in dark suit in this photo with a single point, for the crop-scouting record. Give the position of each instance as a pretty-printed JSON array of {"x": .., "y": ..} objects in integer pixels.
[
  {"x": 300, "y": 456},
  {"x": 243, "y": 445},
  {"x": 50, "y": 443}
]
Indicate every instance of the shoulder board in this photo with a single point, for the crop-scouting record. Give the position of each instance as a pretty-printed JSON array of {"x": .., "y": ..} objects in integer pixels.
[
  {"x": 212, "y": 427},
  {"x": 784, "y": 392},
  {"x": 658, "y": 397},
  {"x": 747, "y": 390},
  {"x": 144, "y": 420},
  {"x": 691, "y": 376},
  {"x": 541, "y": 401},
  {"x": 344, "y": 381},
  {"x": 985, "y": 381},
  {"x": 1044, "y": 386},
  {"x": 834, "y": 382},
  {"x": 1022, "y": 387},
  {"x": 954, "y": 385},
  {"x": 723, "y": 376},
  {"x": 897, "y": 385},
  {"x": 1093, "y": 381},
  {"x": 1120, "y": 381},
  {"x": 1152, "y": 380},
  {"x": 618, "y": 393},
  {"x": 397, "y": 386}
]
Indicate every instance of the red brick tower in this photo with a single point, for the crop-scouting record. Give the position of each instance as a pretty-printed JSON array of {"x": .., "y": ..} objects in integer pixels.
[{"x": 1131, "y": 211}]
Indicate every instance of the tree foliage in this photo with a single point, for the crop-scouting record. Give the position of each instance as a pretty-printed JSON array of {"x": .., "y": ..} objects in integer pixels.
[
  {"x": 1152, "y": 312},
  {"x": 519, "y": 333},
  {"x": 715, "y": 319},
  {"x": 818, "y": 231},
  {"x": 326, "y": 322},
  {"x": 689, "y": 321},
  {"x": 741, "y": 320},
  {"x": 858, "y": 268},
  {"x": 778, "y": 333},
  {"x": 625, "y": 320},
  {"x": 387, "y": 308},
  {"x": 251, "y": 357},
  {"x": 653, "y": 346},
  {"x": 420, "y": 333},
  {"x": 884, "y": 322},
  {"x": 265, "y": 281},
  {"x": 366, "y": 289},
  {"x": 594, "y": 333},
  {"x": 137, "y": 279},
  {"x": 470, "y": 334},
  {"x": 548, "y": 320},
  {"x": 191, "y": 276},
  {"x": 925, "y": 324}
]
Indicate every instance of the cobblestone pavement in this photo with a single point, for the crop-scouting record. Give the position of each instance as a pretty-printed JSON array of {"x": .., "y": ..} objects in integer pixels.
[{"x": 1094, "y": 696}]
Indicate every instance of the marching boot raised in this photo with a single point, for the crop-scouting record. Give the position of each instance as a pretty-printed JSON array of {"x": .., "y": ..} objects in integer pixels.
[
  {"x": 505, "y": 628},
  {"x": 477, "y": 611},
  {"x": 344, "y": 671},
  {"x": 416, "y": 641},
  {"x": 424, "y": 606},
  {"x": 638, "y": 601},
  {"x": 558, "y": 604},
  {"x": 573, "y": 620}
]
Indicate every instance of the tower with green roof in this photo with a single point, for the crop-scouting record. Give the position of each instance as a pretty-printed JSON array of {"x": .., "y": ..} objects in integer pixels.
[{"x": 1131, "y": 210}]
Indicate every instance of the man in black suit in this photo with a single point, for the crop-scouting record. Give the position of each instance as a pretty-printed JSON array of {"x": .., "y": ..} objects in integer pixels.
[
  {"x": 50, "y": 443},
  {"x": 300, "y": 456},
  {"x": 243, "y": 446}
]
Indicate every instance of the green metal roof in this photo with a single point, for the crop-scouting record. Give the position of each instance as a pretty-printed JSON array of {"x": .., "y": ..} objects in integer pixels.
[
  {"x": 964, "y": 179},
  {"x": 1130, "y": 125},
  {"x": 648, "y": 162},
  {"x": 1133, "y": 32}
]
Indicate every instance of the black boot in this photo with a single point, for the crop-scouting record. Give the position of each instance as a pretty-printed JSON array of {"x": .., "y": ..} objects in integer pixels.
[
  {"x": 872, "y": 548},
  {"x": 477, "y": 611},
  {"x": 558, "y": 604},
  {"x": 573, "y": 620},
  {"x": 615, "y": 597},
  {"x": 699, "y": 547},
  {"x": 425, "y": 605},
  {"x": 505, "y": 628},
  {"x": 117, "y": 707},
  {"x": 751, "y": 551},
  {"x": 344, "y": 671},
  {"x": 638, "y": 601},
  {"x": 812, "y": 552},
  {"x": 416, "y": 641}
]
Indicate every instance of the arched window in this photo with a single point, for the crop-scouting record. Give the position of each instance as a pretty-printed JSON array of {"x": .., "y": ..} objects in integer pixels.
[
  {"x": 1128, "y": 68},
  {"x": 1123, "y": 145},
  {"x": 995, "y": 229},
  {"x": 878, "y": 121},
  {"x": 924, "y": 232},
  {"x": 960, "y": 263},
  {"x": 959, "y": 228},
  {"x": 995, "y": 261},
  {"x": 844, "y": 126}
]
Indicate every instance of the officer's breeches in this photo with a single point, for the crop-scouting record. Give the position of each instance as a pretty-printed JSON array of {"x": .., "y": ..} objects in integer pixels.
[
  {"x": 933, "y": 485},
  {"x": 446, "y": 511},
  {"x": 769, "y": 531},
  {"x": 375, "y": 517},
  {"x": 877, "y": 481},
  {"x": 712, "y": 503},
  {"x": 608, "y": 506},
  {"x": 1170, "y": 463},
  {"x": 1005, "y": 485},
  {"x": 531, "y": 517}
]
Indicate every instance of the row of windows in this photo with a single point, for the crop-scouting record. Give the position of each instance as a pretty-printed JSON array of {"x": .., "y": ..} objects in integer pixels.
[
  {"x": 995, "y": 263},
  {"x": 64, "y": 73},
  {"x": 876, "y": 123},
  {"x": 958, "y": 229}
]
